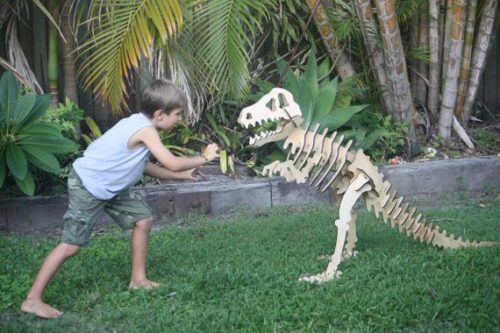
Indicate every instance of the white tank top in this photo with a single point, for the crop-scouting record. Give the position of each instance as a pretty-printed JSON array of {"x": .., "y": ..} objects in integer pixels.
[{"x": 108, "y": 166}]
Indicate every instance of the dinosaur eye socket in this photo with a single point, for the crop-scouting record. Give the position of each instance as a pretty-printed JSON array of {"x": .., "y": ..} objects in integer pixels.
[
  {"x": 271, "y": 105},
  {"x": 248, "y": 116},
  {"x": 282, "y": 101}
]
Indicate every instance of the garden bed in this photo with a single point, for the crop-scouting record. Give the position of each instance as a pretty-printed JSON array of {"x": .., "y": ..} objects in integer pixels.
[{"x": 425, "y": 183}]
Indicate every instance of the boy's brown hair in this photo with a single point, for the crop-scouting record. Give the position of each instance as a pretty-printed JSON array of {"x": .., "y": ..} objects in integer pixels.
[{"x": 162, "y": 95}]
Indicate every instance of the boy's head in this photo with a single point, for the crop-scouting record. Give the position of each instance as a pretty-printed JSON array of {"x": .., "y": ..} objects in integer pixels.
[{"x": 162, "y": 95}]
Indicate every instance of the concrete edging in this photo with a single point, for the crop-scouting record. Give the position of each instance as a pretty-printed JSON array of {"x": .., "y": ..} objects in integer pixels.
[{"x": 423, "y": 183}]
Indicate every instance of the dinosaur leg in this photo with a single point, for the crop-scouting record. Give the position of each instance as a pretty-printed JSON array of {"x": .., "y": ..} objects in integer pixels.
[
  {"x": 351, "y": 238},
  {"x": 351, "y": 241},
  {"x": 352, "y": 194}
]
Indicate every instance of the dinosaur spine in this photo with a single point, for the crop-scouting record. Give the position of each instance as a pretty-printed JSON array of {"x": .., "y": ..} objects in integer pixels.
[{"x": 317, "y": 156}]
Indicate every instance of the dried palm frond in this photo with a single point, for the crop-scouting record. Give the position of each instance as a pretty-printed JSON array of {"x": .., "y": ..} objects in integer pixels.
[{"x": 16, "y": 57}]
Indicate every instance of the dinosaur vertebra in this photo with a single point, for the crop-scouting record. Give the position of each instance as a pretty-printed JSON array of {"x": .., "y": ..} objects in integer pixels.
[{"x": 324, "y": 161}]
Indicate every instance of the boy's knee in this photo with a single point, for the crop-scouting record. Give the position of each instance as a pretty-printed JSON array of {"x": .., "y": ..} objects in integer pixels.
[
  {"x": 69, "y": 250},
  {"x": 144, "y": 224}
]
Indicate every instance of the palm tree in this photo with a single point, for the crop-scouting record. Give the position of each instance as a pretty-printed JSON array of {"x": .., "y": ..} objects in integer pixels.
[
  {"x": 209, "y": 46},
  {"x": 70, "y": 88},
  {"x": 435, "y": 59},
  {"x": 335, "y": 50},
  {"x": 395, "y": 63},
  {"x": 119, "y": 35},
  {"x": 483, "y": 41},
  {"x": 450, "y": 89},
  {"x": 369, "y": 30}
]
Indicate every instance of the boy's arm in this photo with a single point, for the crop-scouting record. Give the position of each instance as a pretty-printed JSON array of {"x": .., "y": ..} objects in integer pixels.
[
  {"x": 162, "y": 173},
  {"x": 150, "y": 138}
]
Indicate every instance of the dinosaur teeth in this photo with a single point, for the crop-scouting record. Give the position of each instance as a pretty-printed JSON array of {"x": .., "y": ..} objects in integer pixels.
[{"x": 261, "y": 136}]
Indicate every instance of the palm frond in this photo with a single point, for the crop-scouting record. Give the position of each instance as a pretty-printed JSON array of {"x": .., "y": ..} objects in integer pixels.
[
  {"x": 121, "y": 32},
  {"x": 224, "y": 32}
]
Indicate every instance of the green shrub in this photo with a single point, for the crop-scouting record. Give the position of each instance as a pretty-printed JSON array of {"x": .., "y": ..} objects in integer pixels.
[
  {"x": 24, "y": 139},
  {"x": 68, "y": 116}
]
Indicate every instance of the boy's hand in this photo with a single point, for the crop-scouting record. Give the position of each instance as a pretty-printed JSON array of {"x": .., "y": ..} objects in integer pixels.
[
  {"x": 211, "y": 152},
  {"x": 188, "y": 174}
]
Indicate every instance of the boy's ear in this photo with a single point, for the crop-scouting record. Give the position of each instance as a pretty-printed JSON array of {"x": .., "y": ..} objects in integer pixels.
[{"x": 157, "y": 113}]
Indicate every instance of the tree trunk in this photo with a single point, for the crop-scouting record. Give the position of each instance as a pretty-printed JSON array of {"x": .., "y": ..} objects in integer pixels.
[
  {"x": 52, "y": 67},
  {"x": 448, "y": 22},
  {"x": 70, "y": 80},
  {"x": 413, "y": 63},
  {"x": 483, "y": 41},
  {"x": 423, "y": 42},
  {"x": 52, "y": 55},
  {"x": 70, "y": 88},
  {"x": 338, "y": 56},
  {"x": 467, "y": 54},
  {"x": 435, "y": 63},
  {"x": 395, "y": 63},
  {"x": 453, "y": 71},
  {"x": 375, "y": 52}
]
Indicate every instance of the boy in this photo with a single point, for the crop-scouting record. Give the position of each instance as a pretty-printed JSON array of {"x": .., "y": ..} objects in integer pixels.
[{"x": 101, "y": 179}]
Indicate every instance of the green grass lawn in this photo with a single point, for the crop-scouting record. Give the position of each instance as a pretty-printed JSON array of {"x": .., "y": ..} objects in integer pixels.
[{"x": 240, "y": 274}]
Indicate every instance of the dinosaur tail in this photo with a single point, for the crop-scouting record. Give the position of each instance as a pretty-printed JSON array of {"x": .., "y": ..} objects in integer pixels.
[{"x": 398, "y": 213}]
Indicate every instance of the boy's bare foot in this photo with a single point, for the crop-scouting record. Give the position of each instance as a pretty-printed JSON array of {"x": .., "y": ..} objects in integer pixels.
[
  {"x": 143, "y": 284},
  {"x": 40, "y": 309}
]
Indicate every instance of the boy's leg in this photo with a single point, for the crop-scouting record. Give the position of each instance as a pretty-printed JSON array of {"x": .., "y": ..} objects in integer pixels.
[
  {"x": 82, "y": 215},
  {"x": 129, "y": 210},
  {"x": 34, "y": 303},
  {"x": 139, "y": 243}
]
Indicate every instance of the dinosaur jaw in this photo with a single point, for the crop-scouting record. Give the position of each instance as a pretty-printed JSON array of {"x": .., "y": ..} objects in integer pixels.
[
  {"x": 276, "y": 107},
  {"x": 283, "y": 130}
]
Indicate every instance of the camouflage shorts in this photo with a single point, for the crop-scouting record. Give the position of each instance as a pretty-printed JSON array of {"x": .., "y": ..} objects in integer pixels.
[{"x": 84, "y": 211}]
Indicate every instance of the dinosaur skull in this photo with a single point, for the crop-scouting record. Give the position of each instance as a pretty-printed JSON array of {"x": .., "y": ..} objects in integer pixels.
[{"x": 278, "y": 107}]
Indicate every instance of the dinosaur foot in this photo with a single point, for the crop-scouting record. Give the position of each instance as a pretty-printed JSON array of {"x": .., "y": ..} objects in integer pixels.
[
  {"x": 321, "y": 278},
  {"x": 349, "y": 254}
]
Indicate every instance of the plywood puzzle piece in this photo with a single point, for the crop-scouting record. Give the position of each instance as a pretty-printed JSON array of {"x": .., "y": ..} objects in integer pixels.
[{"x": 325, "y": 161}]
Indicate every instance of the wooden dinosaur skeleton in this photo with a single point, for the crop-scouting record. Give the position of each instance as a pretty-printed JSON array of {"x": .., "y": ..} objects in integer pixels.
[{"x": 323, "y": 161}]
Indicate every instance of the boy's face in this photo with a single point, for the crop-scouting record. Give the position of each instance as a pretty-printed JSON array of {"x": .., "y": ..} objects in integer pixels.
[{"x": 167, "y": 121}]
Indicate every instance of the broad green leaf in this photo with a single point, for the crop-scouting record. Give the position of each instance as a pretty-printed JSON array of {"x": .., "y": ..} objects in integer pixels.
[
  {"x": 41, "y": 129},
  {"x": 39, "y": 109},
  {"x": 326, "y": 99},
  {"x": 290, "y": 81},
  {"x": 306, "y": 103},
  {"x": 51, "y": 145},
  {"x": 310, "y": 76},
  {"x": 26, "y": 184},
  {"x": 2, "y": 169},
  {"x": 42, "y": 159},
  {"x": 339, "y": 117},
  {"x": 16, "y": 161},
  {"x": 8, "y": 96},
  {"x": 23, "y": 109},
  {"x": 324, "y": 70}
]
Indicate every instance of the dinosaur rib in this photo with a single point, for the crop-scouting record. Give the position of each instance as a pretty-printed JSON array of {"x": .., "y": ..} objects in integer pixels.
[{"x": 328, "y": 157}]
